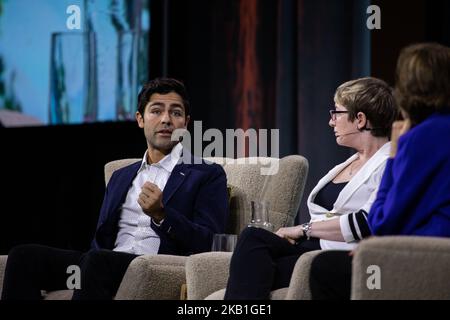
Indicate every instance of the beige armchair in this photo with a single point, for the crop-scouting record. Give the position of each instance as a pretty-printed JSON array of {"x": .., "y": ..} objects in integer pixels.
[
  {"x": 208, "y": 272},
  {"x": 162, "y": 276},
  {"x": 411, "y": 267}
]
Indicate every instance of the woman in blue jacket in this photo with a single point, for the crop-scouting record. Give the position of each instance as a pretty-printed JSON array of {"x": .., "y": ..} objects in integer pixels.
[{"x": 414, "y": 194}]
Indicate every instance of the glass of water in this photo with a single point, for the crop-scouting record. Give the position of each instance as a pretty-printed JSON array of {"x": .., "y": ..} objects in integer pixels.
[
  {"x": 260, "y": 215},
  {"x": 224, "y": 242}
]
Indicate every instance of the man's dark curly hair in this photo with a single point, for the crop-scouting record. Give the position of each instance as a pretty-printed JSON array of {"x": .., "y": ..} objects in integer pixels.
[{"x": 163, "y": 86}]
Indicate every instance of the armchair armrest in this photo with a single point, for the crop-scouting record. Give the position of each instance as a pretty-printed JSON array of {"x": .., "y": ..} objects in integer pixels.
[
  {"x": 2, "y": 271},
  {"x": 299, "y": 285},
  {"x": 206, "y": 273},
  {"x": 153, "y": 277},
  {"x": 410, "y": 267},
  {"x": 147, "y": 277}
]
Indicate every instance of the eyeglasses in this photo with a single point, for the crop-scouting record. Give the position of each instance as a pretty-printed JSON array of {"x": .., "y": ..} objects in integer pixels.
[{"x": 334, "y": 112}]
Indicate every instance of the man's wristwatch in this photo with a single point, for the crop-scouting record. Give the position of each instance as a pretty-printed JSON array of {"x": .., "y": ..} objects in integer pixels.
[{"x": 306, "y": 229}]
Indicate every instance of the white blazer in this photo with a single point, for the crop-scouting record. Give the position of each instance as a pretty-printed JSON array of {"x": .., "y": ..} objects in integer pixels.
[{"x": 359, "y": 193}]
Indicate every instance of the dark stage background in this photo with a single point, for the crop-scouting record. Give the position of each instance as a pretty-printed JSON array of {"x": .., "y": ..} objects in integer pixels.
[{"x": 247, "y": 64}]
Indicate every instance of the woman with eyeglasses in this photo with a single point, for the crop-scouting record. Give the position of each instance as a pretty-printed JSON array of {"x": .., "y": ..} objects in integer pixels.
[
  {"x": 263, "y": 261},
  {"x": 414, "y": 195}
]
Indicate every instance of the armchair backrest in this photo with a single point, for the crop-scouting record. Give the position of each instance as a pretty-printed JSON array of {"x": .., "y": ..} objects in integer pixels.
[
  {"x": 112, "y": 166},
  {"x": 407, "y": 268},
  {"x": 283, "y": 190}
]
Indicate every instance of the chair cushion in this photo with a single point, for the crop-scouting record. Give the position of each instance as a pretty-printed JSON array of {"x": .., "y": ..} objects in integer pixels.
[
  {"x": 279, "y": 294},
  {"x": 218, "y": 295},
  {"x": 58, "y": 295}
]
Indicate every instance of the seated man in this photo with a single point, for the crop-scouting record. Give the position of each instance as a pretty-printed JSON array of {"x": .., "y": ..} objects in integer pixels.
[{"x": 167, "y": 203}]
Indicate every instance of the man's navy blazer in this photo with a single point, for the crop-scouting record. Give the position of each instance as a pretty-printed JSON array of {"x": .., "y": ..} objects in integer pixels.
[{"x": 195, "y": 202}]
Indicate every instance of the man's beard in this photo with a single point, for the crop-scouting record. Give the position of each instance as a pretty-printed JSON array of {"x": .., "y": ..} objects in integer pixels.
[{"x": 166, "y": 145}]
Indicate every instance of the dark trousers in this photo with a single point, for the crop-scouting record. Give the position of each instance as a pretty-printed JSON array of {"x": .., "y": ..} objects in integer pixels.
[
  {"x": 330, "y": 276},
  {"x": 32, "y": 268},
  {"x": 262, "y": 262}
]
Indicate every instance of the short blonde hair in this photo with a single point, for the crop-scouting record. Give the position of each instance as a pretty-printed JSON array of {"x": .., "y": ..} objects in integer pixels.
[{"x": 374, "y": 98}]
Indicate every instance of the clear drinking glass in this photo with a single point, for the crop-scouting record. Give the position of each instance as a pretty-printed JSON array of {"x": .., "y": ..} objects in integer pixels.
[
  {"x": 127, "y": 74},
  {"x": 121, "y": 54},
  {"x": 224, "y": 242},
  {"x": 260, "y": 215},
  {"x": 73, "y": 96}
]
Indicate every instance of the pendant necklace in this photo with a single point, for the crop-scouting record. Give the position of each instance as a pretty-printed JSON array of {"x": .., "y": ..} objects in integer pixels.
[{"x": 351, "y": 166}]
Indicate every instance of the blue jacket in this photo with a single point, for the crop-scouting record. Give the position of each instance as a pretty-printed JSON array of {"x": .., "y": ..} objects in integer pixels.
[
  {"x": 195, "y": 202},
  {"x": 414, "y": 194}
]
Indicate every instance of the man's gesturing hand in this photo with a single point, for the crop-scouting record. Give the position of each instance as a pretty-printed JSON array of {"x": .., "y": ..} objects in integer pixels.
[{"x": 150, "y": 200}]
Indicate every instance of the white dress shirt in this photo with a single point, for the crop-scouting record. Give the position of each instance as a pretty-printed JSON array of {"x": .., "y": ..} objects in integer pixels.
[{"x": 135, "y": 233}]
